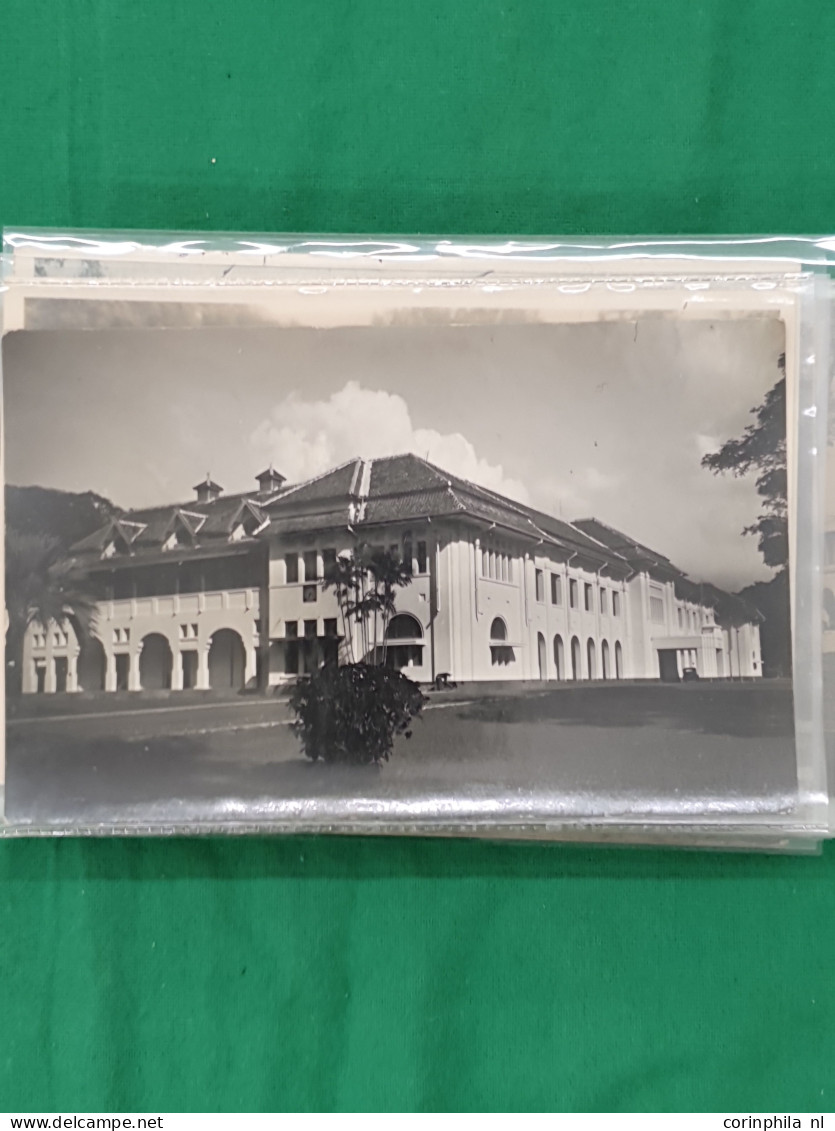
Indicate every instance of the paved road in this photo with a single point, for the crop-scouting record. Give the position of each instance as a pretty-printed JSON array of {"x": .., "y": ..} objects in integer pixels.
[{"x": 652, "y": 749}]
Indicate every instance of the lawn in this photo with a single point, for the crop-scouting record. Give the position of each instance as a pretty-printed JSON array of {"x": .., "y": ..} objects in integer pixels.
[{"x": 644, "y": 750}]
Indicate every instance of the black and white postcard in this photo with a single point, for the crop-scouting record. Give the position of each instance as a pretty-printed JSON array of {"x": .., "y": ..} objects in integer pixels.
[{"x": 481, "y": 561}]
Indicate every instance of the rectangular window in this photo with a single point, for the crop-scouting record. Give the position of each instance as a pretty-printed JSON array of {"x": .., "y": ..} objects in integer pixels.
[
  {"x": 421, "y": 557},
  {"x": 572, "y": 593},
  {"x": 615, "y": 604},
  {"x": 330, "y": 627},
  {"x": 656, "y": 606},
  {"x": 291, "y": 647},
  {"x": 680, "y": 618},
  {"x": 291, "y": 565},
  {"x": 310, "y": 628},
  {"x": 588, "y": 597},
  {"x": 310, "y": 654},
  {"x": 407, "y": 553},
  {"x": 603, "y": 601},
  {"x": 540, "y": 585},
  {"x": 311, "y": 566},
  {"x": 328, "y": 561}
]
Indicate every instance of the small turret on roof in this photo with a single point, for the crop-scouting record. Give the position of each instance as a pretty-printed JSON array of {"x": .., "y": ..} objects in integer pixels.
[
  {"x": 208, "y": 490},
  {"x": 270, "y": 481}
]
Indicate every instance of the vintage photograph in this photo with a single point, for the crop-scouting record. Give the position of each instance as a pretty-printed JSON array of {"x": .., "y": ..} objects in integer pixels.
[{"x": 500, "y": 569}]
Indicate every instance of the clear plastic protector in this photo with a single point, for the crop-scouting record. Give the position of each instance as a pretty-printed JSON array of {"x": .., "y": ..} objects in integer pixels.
[{"x": 532, "y": 459}]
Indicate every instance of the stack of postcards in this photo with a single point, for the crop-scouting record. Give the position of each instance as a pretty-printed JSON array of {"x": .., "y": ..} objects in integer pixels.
[{"x": 520, "y": 539}]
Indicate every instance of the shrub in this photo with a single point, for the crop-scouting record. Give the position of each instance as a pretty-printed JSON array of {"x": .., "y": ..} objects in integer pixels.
[{"x": 352, "y": 714}]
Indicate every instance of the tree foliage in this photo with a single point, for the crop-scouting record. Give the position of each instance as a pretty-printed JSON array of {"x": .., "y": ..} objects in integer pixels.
[
  {"x": 353, "y": 713},
  {"x": 66, "y": 516},
  {"x": 42, "y": 588},
  {"x": 762, "y": 449},
  {"x": 365, "y": 583}
]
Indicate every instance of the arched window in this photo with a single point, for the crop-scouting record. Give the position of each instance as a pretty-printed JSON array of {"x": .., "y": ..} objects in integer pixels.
[
  {"x": 559, "y": 656},
  {"x": 404, "y": 626},
  {"x": 501, "y": 653},
  {"x": 576, "y": 664},
  {"x": 541, "y": 656},
  {"x": 618, "y": 660},
  {"x": 604, "y": 659},
  {"x": 591, "y": 658},
  {"x": 498, "y": 630},
  {"x": 404, "y": 642}
]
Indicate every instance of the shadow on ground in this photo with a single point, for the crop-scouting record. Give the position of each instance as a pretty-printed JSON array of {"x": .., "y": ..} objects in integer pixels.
[{"x": 736, "y": 709}]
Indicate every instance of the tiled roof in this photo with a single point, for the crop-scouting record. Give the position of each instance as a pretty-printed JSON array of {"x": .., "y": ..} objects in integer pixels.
[
  {"x": 420, "y": 504},
  {"x": 306, "y": 523},
  {"x": 336, "y": 484},
  {"x": 413, "y": 478},
  {"x": 622, "y": 544},
  {"x": 398, "y": 475},
  {"x": 362, "y": 493}
]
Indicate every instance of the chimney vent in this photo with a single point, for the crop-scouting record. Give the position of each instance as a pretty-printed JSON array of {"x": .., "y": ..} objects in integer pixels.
[
  {"x": 270, "y": 481},
  {"x": 207, "y": 491}
]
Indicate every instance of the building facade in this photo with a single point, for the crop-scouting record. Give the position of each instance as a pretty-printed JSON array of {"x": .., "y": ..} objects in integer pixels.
[{"x": 227, "y": 592}]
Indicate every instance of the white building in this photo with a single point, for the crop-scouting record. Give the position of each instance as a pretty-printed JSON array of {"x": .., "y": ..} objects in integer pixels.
[{"x": 227, "y": 591}]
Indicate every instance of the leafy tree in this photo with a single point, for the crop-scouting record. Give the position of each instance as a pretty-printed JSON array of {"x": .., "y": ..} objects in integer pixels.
[
  {"x": 771, "y": 599},
  {"x": 67, "y": 516},
  {"x": 352, "y": 713},
  {"x": 365, "y": 583},
  {"x": 42, "y": 588},
  {"x": 762, "y": 448}
]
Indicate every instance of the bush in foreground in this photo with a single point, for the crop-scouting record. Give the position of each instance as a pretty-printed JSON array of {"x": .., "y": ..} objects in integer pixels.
[{"x": 352, "y": 714}]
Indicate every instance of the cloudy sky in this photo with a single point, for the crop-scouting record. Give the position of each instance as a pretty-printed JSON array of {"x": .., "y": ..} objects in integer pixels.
[{"x": 608, "y": 419}]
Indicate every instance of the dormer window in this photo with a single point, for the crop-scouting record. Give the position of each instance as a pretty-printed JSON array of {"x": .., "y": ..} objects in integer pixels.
[
  {"x": 109, "y": 550},
  {"x": 171, "y": 542},
  {"x": 248, "y": 521}
]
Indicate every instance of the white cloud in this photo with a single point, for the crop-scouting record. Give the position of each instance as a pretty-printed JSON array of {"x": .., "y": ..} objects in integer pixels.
[{"x": 304, "y": 438}]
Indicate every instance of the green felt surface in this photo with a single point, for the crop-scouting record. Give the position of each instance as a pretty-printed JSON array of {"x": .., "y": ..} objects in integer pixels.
[{"x": 247, "y": 975}]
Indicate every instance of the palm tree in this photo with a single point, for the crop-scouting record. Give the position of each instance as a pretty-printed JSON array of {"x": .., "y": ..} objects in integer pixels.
[
  {"x": 388, "y": 572},
  {"x": 365, "y": 583},
  {"x": 42, "y": 587}
]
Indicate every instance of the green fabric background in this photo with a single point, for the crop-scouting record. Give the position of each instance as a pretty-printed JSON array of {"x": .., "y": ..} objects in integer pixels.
[{"x": 375, "y": 975}]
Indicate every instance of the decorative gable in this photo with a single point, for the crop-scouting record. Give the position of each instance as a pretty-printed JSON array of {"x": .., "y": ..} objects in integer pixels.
[
  {"x": 247, "y": 522},
  {"x": 182, "y": 529},
  {"x": 121, "y": 536}
]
